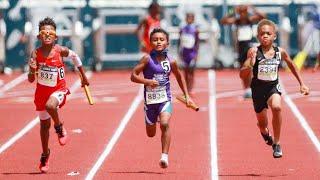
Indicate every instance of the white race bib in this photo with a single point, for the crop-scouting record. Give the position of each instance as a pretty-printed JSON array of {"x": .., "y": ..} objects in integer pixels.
[
  {"x": 244, "y": 33},
  {"x": 48, "y": 76},
  {"x": 267, "y": 72},
  {"x": 156, "y": 95},
  {"x": 187, "y": 40}
]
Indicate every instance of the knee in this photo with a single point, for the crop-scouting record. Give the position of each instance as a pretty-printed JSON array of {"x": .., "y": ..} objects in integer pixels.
[
  {"x": 151, "y": 134},
  {"x": 164, "y": 127},
  {"x": 45, "y": 125},
  {"x": 262, "y": 124},
  {"x": 51, "y": 107},
  {"x": 276, "y": 109}
]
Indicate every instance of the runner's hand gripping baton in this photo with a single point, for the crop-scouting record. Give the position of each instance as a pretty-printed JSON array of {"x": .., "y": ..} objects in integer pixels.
[{"x": 192, "y": 105}]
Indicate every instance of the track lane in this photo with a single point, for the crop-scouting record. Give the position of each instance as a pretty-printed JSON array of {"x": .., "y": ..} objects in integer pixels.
[
  {"x": 17, "y": 107},
  {"x": 96, "y": 123},
  {"x": 136, "y": 156},
  {"x": 307, "y": 105},
  {"x": 242, "y": 152}
]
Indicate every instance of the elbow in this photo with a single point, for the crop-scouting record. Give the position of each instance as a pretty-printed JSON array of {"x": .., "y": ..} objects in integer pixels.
[
  {"x": 30, "y": 80},
  {"x": 243, "y": 74},
  {"x": 132, "y": 79}
]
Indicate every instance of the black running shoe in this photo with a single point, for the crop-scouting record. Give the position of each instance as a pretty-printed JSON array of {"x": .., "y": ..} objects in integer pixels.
[
  {"x": 44, "y": 162},
  {"x": 62, "y": 134},
  {"x": 277, "y": 152},
  {"x": 267, "y": 138}
]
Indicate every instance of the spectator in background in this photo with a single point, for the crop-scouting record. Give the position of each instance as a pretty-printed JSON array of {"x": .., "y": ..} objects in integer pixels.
[
  {"x": 150, "y": 22},
  {"x": 188, "y": 46},
  {"x": 241, "y": 18}
]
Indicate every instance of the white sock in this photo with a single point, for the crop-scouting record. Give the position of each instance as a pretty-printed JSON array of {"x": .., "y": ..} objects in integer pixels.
[
  {"x": 164, "y": 156},
  {"x": 248, "y": 90}
]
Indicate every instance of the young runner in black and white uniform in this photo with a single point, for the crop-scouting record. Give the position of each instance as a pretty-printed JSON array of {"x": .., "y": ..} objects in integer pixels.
[
  {"x": 265, "y": 80},
  {"x": 263, "y": 62}
]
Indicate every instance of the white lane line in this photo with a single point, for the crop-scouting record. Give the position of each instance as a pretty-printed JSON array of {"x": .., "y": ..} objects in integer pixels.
[
  {"x": 17, "y": 136},
  {"x": 35, "y": 121},
  {"x": 213, "y": 125},
  {"x": 303, "y": 122},
  {"x": 117, "y": 134},
  {"x": 13, "y": 83},
  {"x": 229, "y": 94}
]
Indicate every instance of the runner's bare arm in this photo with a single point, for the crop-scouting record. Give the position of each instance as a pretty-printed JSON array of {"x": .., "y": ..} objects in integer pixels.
[
  {"x": 197, "y": 41},
  {"x": 138, "y": 30},
  {"x": 257, "y": 15},
  {"x": 248, "y": 64},
  {"x": 228, "y": 19},
  {"x": 317, "y": 64},
  {"x": 285, "y": 56},
  {"x": 181, "y": 81},
  {"x": 66, "y": 52},
  {"x": 32, "y": 67},
  {"x": 135, "y": 77}
]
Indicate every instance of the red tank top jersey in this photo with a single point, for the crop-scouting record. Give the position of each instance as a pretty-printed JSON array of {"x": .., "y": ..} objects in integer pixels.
[
  {"x": 50, "y": 76},
  {"x": 151, "y": 24}
]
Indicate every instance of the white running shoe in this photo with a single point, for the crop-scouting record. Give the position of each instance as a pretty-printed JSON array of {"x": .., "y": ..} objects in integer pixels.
[{"x": 164, "y": 162}]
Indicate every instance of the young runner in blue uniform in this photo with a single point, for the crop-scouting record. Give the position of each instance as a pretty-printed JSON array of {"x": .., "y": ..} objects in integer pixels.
[{"x": 156, "y": 68}]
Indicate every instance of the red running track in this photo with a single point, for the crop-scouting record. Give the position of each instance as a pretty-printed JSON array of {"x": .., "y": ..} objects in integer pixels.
[{"x": 242, "y": 153}]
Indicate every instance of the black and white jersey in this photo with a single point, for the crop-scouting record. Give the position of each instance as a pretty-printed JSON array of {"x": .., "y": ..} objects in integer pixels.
[{"x": 266, "y": 70}]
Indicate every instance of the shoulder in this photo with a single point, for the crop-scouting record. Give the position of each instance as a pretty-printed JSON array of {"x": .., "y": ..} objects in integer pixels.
[
  {"x": 171, "y": 58},
  {"x": 64, "y": 51},
  {"x": 283, "y": 52},
  {"x": 61, "y": 48},
  {"x": 280, "y": 49},
  {"x": 172, "y": 61},
  {"x": 145, "y": 59},
  {"x": 34, "y": 53}
]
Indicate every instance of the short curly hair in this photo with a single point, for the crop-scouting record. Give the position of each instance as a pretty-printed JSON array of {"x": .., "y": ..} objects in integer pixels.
[
  {"x": 47, "y": 21},
  {"x": 159, "y": 30},
  {"x": 267, "y": 22}
]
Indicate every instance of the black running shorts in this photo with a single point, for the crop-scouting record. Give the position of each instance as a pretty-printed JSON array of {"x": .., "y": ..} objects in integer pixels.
[
  {"x": 243, "y": 47},
  {"x": 261, "y": 93}
]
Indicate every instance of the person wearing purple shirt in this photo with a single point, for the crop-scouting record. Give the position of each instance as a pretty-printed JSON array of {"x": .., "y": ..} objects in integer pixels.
[
  {"x": 188, "y": 46},
  {"x": 156, "y": 68}
]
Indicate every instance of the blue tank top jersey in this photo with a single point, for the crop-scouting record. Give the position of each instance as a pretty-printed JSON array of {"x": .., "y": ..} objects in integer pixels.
[{"x": 160, "y": 71}]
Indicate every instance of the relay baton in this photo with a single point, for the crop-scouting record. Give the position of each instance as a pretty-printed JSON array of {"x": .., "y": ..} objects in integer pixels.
[
  {"x": 192, "y": 105},
  {"x": 88, "y": 93}
]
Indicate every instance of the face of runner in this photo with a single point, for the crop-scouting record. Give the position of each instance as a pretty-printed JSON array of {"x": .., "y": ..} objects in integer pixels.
[
  {"x": 243, "y": 11},
  {"x": 190, "y": 18},
  {"x": 159, "y": 41},
  {"x": 266, "y": 35},
  {"x": 47, "y": 35}
]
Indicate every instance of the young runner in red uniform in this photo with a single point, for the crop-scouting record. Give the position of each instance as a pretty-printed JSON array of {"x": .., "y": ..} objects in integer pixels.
[{"x": 47, "y": 64}]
